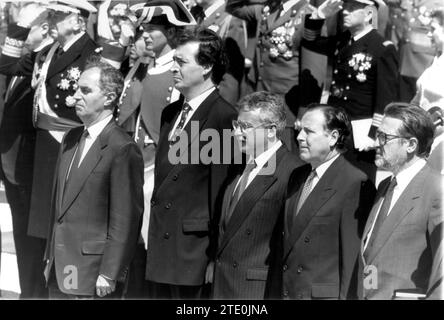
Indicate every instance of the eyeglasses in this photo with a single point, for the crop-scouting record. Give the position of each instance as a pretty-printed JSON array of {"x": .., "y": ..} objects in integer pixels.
[
  {"x": 383, "y": 138},
  {"x": 244, "y": 126}
]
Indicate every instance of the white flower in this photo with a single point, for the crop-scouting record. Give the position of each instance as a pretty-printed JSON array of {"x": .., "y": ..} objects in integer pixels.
[
  {"x": 74, "y": 74},
  {"x": 64, "y": 84},
  {"x": 274, "y": 52},
  {"x": 361, "y": 77},
  {"x": 119, "y": 10},
  {"x": 70, "y": 101}
]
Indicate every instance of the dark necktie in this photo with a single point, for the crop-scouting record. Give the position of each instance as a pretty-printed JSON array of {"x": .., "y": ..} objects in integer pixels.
[
  {"x": 383, "y": 212},
  {"x": 59, "y": 52},
  {"x": 185, "y": 110},
  {"x": 306, "y": 190},
  {"x": 240, "y": 188},
  {"x": 76, "y": 161}
]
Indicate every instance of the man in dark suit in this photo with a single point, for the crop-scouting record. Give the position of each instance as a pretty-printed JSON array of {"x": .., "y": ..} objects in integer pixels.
[
  {"x": 98, "y": 195},
  {"x": 364, "y": 70},
  {"x": 16, "y": 163},
  {"x": 254, "y": 201},
  {"x": 403, "y": 235},
  {"x": 187, "y": 187},
  {"x": 327, "y": 206}
]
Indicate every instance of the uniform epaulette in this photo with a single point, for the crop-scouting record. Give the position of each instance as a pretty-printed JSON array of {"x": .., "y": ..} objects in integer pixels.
[{"x": 387, "y": 43}]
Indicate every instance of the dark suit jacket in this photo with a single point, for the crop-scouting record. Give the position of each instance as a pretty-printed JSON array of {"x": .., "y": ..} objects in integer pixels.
[
  {"x": 247, "y": 245},
  {"x": 183, "y": 205},
  {"x": 321, "y": 250},
  {"x": 406, "y": 247},
  {"x": 97, "y": 215}
]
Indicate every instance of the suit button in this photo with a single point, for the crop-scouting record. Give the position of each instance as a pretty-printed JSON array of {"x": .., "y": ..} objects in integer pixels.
[
  {"x": 285, "y": 293},
  {"x": 153, "y": 203},
  {"x": 335, "y": 71},
  {"x": 333, "y": 82},
  {"x": 117, "y": 119},
  {"x": 300, "y": 269},
  {"x": 235, "y": 265},
  {"x": 259, "y": 78},
  {"x": 283, "y": 233},
  {"x": 261, "y": 64},
  {"x": 166, "y": 235},
  {"x": 170, "y": 89},
  {"x": 306, "y": 239},
  {"x": 349, "y": 76},
  {"x": 124, "y": 95},
  {"x": 118, "y": 110},
  {"x": 168, "y": 99},
  {"x": 175, "y": 177},
  {"x": 285, "y": 267},
  {"x": 168, "y": 205},
  {"x": 347, "y": 87},
  {"x": 248, "y": 232},
  {"x": 345, "y": 98},
  {"x": 57, "y": 96},
  {"x": 56, "y": 106}
]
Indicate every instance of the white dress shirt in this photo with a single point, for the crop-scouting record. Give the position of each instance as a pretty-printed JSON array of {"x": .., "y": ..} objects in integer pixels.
[
  {"x": 69, "y": 43},
  {"x": 321, "y": 169},
  {"x": 366, "y": 30},
  {"x": 93, "y": 132},
  {"x": 194, "y": 104},
  {"x": 260, "y": 161}
]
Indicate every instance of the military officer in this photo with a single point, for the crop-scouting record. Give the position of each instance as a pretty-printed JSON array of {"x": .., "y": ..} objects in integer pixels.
[
  {"x": 408, "y": 26},
  {"x": 212, "y": 14},
  {"x": 365, "y": 69}
]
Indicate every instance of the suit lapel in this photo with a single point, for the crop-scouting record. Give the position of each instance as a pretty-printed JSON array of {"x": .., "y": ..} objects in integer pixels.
[
  {"x": 200, "y": 115},
  {"x": 260, "y": 184},
  {"x": 322, "y": 192},
  {"x": 408, "y": 200},
  {"x": 70, "y": 146},
  {"x": 68, "y": 57},
  {"x": 90, "y": 161}
]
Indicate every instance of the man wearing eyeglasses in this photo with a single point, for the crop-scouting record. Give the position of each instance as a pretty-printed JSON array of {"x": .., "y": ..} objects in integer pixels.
[
  {"x": 404, "y": 230},
  {"x": 251, "y": 219},
  {"x": 328, "y": 203}
]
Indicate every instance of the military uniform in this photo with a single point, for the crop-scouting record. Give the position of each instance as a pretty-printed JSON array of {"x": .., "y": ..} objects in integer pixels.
[
  {"x": 52, "y": 120},
  {"x": 365, "y": 71},
  {"x": 146, "y": 93},
  {"x": 234, "y": 31},
  {"x": 408, "y": 27}
]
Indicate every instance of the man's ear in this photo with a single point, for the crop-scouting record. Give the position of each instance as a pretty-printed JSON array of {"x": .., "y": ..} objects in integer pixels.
[
  {"x": 44, "y": 29},
  {"x": 110, "y": 98},
  {"x": 76, "y": 23},
  {"x": 370, "y": 14},
  {"x": 207, "y": 70},
  {"x": 335, "y": 137},
  {"x": 412, "y": 146}
]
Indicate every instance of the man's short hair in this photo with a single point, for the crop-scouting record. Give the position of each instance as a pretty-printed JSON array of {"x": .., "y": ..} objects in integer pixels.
[
  {"x": 211, "y": 50},
  {"x": 271, "y": 106},
  {"x": 335, "y": 119},
  {"x": 438, "y": 13},
  {"x": 111, "y": 79},
  {"x": 416, "y": 122}
]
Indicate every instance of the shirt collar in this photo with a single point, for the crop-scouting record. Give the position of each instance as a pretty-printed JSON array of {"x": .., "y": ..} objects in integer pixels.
[
  {"x": 72, "y": 41},
  {"x": 211, "y": 9},
  {"x": 361, "y": 34},
  {"x": 321, "y": 169},
  {"x": 95, "y": 129},
  {"x": 288, "y": 4},
  {"x": 262, "y": 159},
  {"x": 197, "y": 101},
  {"x": 404, "y": 177}
]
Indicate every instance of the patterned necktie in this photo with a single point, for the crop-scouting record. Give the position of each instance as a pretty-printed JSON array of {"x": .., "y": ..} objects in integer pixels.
[
  {"x": 240, "y": 188},
  {"x": 306, "y": 190},
  {"x": 185, "y": 110},
  {"x": 383, "y": 212}
]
